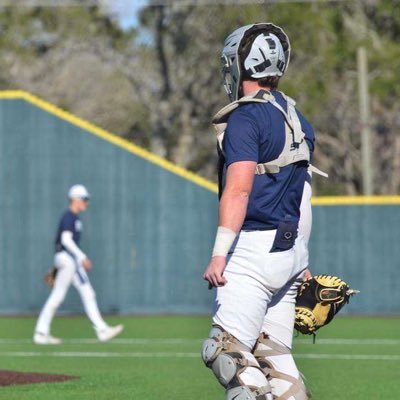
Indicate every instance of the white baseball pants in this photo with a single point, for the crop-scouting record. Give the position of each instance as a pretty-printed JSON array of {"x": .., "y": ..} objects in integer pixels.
[
  {"x": 255, "y": 280},
  {"x": 69, "y": 272}
]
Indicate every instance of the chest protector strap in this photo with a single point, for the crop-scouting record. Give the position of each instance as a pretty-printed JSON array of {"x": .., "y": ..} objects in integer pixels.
[{"x": 295, "y": 148}]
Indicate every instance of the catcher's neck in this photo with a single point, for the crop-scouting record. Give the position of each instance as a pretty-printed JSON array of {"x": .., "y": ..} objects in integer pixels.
[{"x": 249, "y": 87}]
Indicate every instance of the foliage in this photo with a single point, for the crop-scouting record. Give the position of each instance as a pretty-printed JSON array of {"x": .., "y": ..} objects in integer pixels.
[{"x": 160, "y": 84}]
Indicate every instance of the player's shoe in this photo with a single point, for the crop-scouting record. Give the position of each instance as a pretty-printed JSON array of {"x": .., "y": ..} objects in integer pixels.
[
  {"x": 40, "y": 338},
  {"x": 110, "y": 332}
]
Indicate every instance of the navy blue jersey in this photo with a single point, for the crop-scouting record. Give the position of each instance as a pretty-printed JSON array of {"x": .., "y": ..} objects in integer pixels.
[
  {"x": 256, "y": 132},
  {"x": 69, "y": 222}
]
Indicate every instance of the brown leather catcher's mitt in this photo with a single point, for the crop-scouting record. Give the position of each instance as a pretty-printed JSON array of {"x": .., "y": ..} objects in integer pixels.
[{"x": 319, "y": 299}]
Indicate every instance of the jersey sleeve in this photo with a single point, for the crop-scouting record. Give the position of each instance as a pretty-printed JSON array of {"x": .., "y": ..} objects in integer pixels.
[
  {"x": 241, "y": 139},
  {"x": 67, "y": 241},
  {"x": 67, "y": 223}
]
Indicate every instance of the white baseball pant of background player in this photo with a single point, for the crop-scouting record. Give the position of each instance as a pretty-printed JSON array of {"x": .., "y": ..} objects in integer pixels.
[{"x": 70, "y": 272}]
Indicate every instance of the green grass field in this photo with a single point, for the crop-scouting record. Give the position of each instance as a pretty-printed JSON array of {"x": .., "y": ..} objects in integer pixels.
[{"x": 158, "y": 358}]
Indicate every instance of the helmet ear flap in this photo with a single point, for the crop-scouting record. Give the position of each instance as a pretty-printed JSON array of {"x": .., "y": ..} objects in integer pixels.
[
  {"x": 284, "y": 40},
  {"x": 264, "y": 51}
]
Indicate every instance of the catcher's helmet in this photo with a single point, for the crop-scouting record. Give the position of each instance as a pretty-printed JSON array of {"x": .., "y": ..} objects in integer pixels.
[{"x": 268, "y": 56}]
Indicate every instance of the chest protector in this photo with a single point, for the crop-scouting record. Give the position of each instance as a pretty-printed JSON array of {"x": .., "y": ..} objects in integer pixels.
[{"x": 295, "y": 148}]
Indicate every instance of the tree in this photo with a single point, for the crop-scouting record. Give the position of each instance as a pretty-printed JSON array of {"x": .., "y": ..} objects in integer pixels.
[
  {"x": 322, "y": 77},
  {"x": 76, "y": 57}
]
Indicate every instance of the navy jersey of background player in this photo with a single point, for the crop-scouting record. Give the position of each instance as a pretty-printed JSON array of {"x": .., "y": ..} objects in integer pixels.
[
  {"x": 256, "y": 132},
  {"x": 69, "y": 222}
]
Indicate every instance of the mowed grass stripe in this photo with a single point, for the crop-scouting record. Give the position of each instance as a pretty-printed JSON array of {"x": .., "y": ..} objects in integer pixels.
[
  {"x": 96, "y": 354},
  {"x": 166, "y": 341},
  {"x": 133, "y": 341},
  {"x": 108, "y": 354}
]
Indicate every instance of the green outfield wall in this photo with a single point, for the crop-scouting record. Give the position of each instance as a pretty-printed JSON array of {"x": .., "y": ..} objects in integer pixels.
[
  {"x": 150, "y": 225},
  {"x": 360, "y": 243}
]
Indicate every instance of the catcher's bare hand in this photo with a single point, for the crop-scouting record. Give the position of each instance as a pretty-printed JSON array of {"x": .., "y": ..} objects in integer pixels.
[
  {"x": 214, "y": 272},
  {"x": 87, "y": 264}
]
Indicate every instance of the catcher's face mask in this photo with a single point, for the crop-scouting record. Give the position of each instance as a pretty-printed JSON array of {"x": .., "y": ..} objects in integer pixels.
[{"x": 227, "y": 77}]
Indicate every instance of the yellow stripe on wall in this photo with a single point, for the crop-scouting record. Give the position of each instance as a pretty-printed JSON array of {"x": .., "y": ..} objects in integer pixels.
[
  {"x": 169, "y": 166},
  {"x": 109, "y": 137},
  {"x": 355, "y": 200}
]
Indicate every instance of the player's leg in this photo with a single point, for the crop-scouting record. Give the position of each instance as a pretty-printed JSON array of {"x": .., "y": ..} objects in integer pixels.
[
  {"x": 66, "y": 269},
  {"x": 235, "y": 367},
  {"x": 88, "y": 296},
  {"x": 253, "y": 275},
  {"x": 231, "y": 359},
  {"x": 273, "y": 348}
]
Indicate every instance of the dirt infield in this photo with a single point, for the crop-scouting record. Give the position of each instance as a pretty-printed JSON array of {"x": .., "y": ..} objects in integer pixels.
[{"x": 8, "y": 378}]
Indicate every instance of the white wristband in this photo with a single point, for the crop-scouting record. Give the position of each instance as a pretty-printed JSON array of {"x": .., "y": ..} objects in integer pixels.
[{"x": 223, "y": 241}]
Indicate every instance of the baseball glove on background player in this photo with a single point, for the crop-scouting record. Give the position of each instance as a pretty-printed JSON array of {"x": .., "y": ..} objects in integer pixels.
[
  {"x": 319, "y": 299},
  {"x": 50, "y": 277}
]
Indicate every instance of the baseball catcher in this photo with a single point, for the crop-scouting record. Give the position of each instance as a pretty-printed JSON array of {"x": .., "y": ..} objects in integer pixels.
[{"x": 260, "y": 254}]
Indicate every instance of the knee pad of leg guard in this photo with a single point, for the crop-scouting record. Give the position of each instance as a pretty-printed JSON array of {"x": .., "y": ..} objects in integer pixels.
[
  {"x": 218, "y": 341},
  {"x": 233, "y": 364},
  {"x": 225, "y": 369},
  {"x": 240, "y": 374}
]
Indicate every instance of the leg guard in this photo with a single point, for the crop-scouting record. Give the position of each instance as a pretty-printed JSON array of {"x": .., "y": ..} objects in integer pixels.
[
  {"x": 235, "y": 367},
  {"x": 265, "y": 350}
]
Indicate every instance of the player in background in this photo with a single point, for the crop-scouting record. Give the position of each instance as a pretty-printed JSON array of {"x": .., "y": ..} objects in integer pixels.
[
  {"x": 260, "y": 254},
  {"x": 72, "y": 263}
]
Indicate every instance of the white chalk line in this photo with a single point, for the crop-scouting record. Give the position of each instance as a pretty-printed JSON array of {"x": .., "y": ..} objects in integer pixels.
[
  {"x": 180, "y": 341},
  {"x": 366, "y": 357},
  {"x": 86, "y": 354},
  {"x": 129, "y": 341},
  {"x": 98, "y": 354},
  {"x": 351, "y": 342}
]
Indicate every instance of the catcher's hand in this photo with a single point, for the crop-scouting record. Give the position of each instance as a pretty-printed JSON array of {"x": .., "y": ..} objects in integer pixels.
[
  {"x": 319, "y": 299},
  {"x": 50, "y": 277}
]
